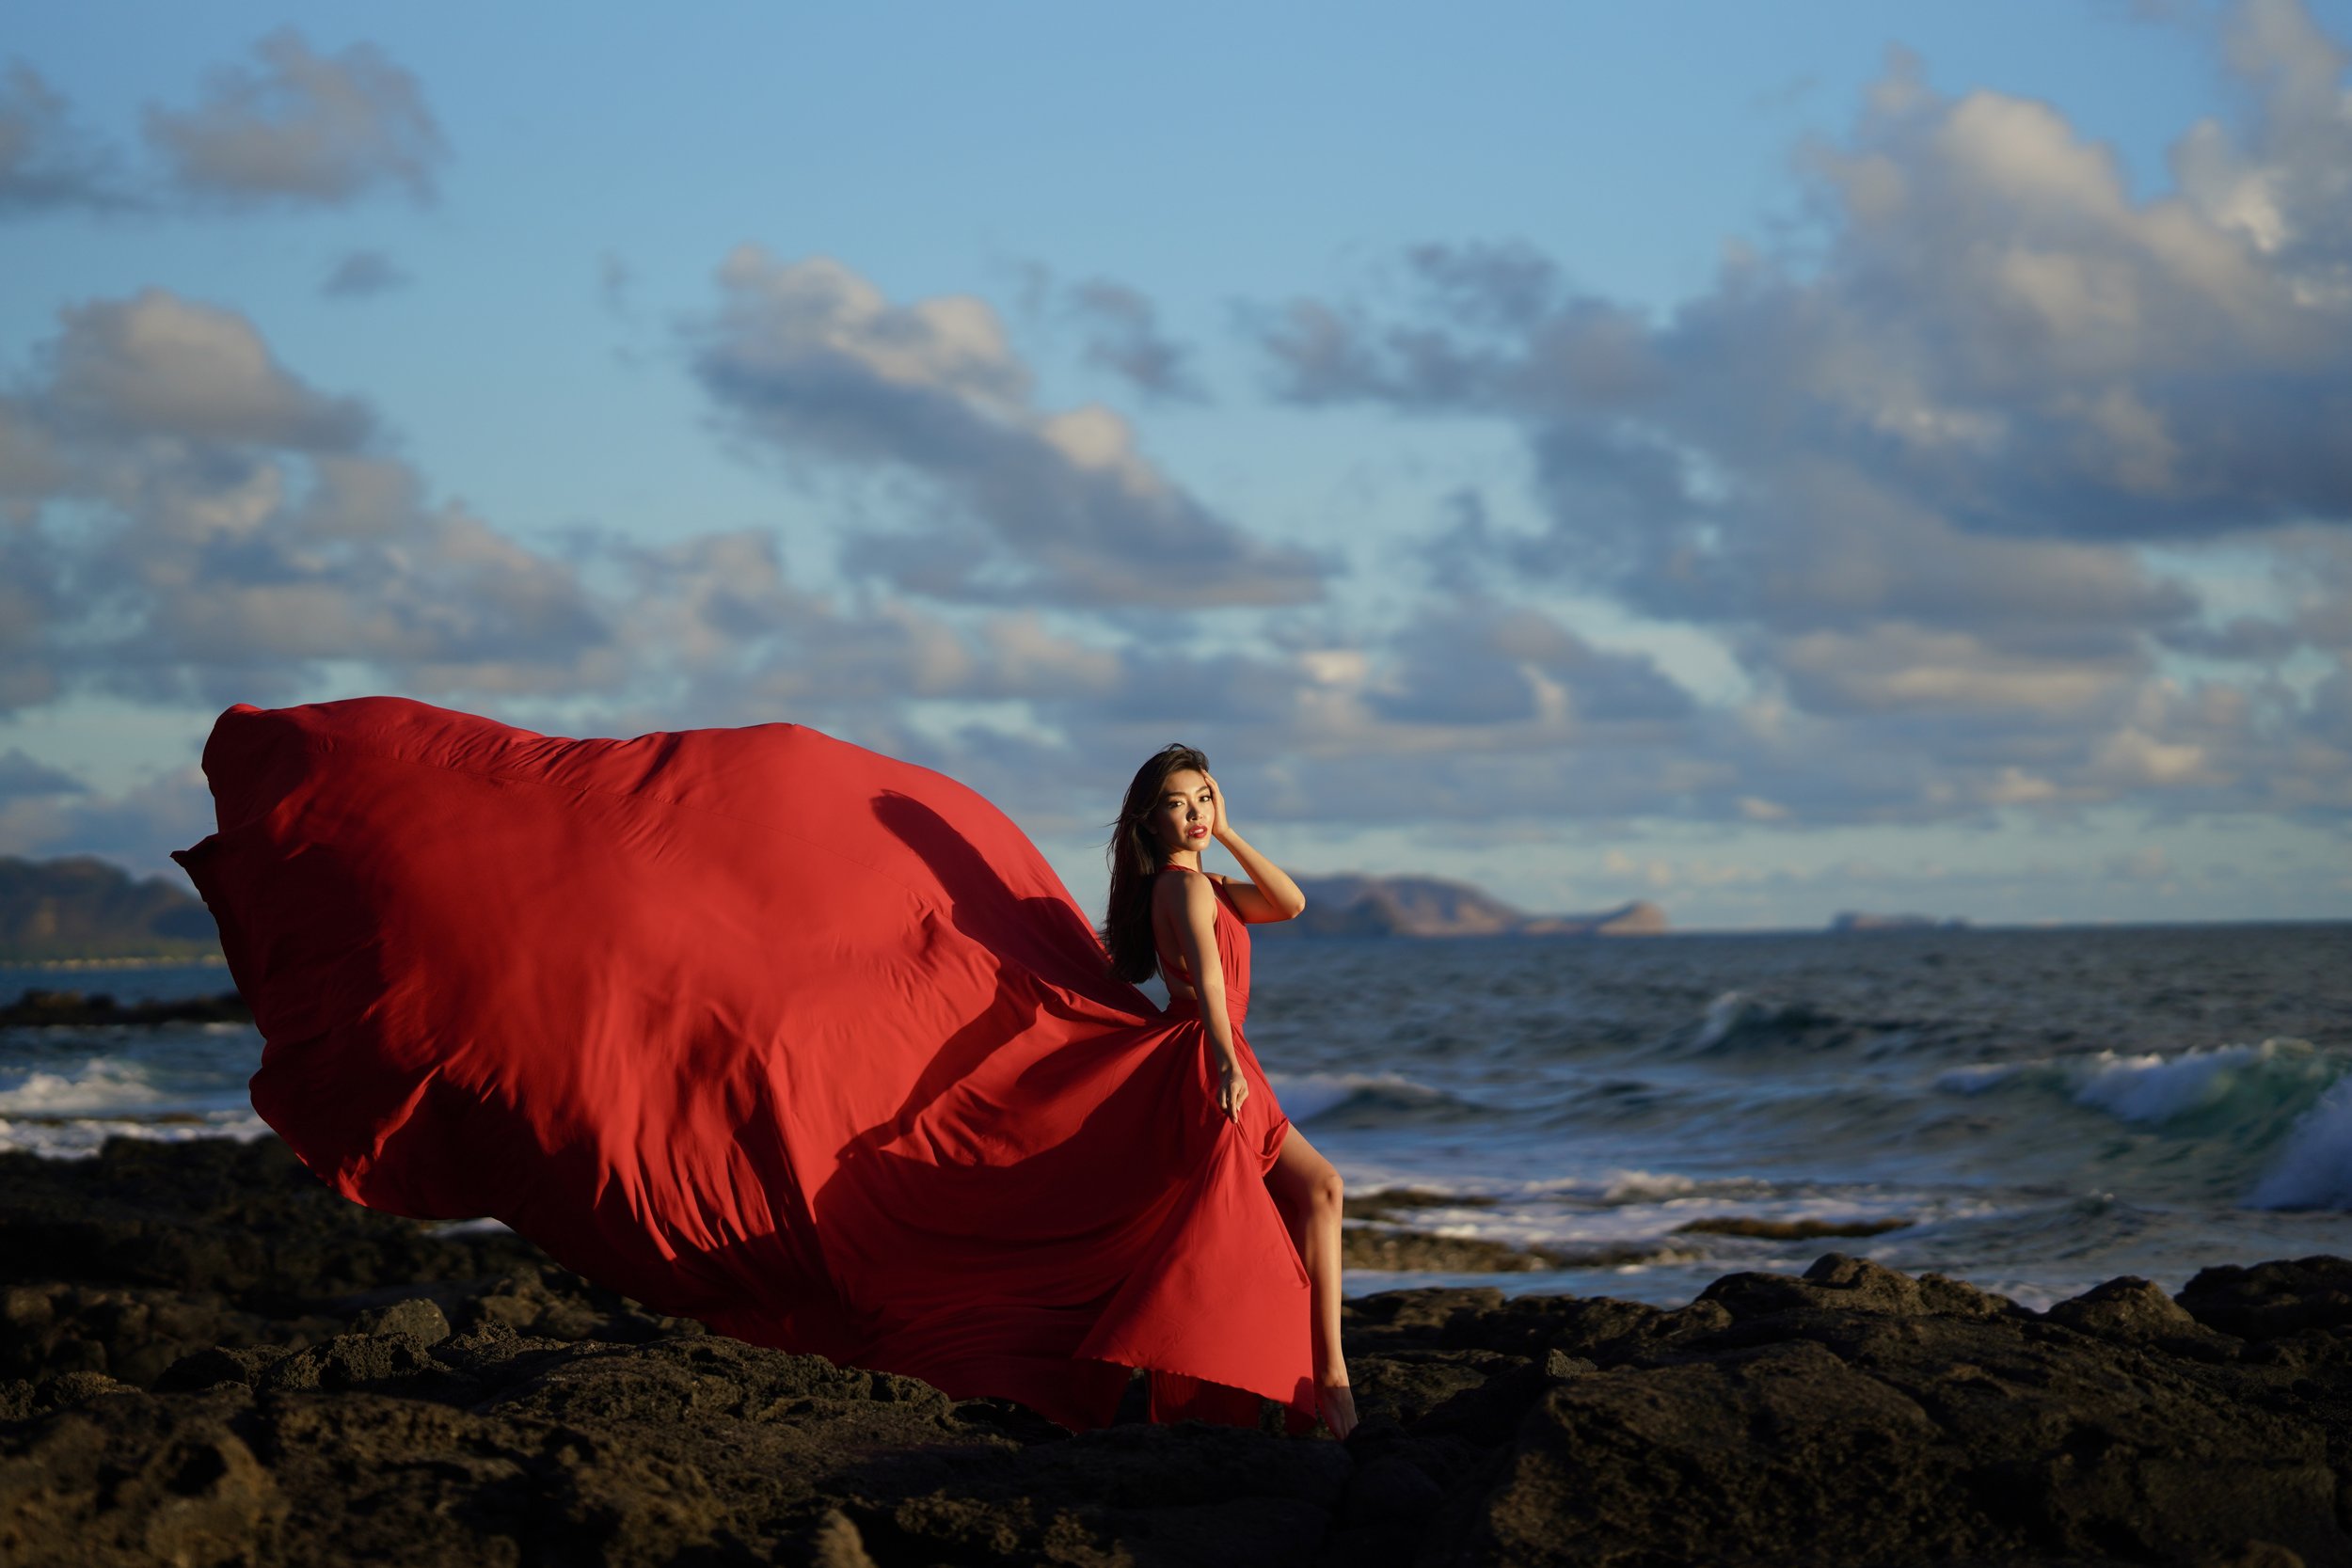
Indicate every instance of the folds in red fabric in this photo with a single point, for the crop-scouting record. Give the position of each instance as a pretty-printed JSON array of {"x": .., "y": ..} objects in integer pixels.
[{"x": 756, "y": 1026}]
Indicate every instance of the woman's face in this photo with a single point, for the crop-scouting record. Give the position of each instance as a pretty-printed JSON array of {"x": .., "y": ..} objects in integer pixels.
[{"x": 1185, "y": 812}]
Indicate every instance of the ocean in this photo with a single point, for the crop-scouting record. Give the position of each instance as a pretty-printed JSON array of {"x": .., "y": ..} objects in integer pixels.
[{"x": 2035, "y": 1111}]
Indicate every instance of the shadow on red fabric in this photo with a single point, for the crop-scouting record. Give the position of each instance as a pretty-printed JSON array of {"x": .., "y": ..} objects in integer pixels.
[{"x": 761, "y": 1028}]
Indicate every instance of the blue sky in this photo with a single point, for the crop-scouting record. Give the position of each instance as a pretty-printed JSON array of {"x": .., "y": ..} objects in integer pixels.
[{"x": 1768, "y": 460}]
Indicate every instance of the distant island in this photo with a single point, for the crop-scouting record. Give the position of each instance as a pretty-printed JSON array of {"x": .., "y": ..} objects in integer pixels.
[
  {"x": 1856, "y": 920},
  {"x": 1351, "y": 906},
  {"x": 81, "y": 906}
]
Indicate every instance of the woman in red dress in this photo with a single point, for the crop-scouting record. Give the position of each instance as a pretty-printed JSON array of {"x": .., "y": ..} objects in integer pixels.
[
  {"x": 1167, "y": 913},
  {"x": 765, "y": 1029}
]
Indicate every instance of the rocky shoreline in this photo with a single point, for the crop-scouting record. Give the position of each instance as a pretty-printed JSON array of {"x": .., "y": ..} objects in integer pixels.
[
  {"x": 52, "y": 1009},
  {"x": 207, "y": 1357}
]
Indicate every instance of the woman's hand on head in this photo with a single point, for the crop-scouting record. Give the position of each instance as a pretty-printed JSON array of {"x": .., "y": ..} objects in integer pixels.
[{"x": 1219, "y": 824}]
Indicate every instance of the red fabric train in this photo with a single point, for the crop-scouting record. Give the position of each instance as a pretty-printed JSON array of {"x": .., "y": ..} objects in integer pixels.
[{"x": 761, "y": 1028}]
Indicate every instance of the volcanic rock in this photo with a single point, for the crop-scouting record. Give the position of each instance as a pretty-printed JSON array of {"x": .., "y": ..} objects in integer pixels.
[{"x": 213, "y": 1359}]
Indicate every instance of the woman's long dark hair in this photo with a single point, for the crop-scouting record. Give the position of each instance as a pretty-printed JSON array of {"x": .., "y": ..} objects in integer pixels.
[{"x": 1135, "y": 857}]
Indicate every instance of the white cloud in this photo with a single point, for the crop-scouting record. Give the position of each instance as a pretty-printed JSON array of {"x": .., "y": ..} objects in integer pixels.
[
  {"x": 1124, "y": 336},
  {"x": 137, "y": 829},
  {"x": 1892, "y": 666},
  {"x": 47, "y": 163},
  {"x": 302, "y": 128},
  {"x": 22, "y": 774},
  {"x": 161, "y": 365},
  {"x": 197, "y": 524},
  {"x": 1905, "y": 476},
  {"x": 357, "y": 273},
  {"x": 808, "y": 360}
]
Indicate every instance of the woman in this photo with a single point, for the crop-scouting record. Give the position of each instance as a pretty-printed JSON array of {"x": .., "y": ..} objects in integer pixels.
[
  {"x": 768, "y": 1030},
  {"x": 1167, "y": 914}
]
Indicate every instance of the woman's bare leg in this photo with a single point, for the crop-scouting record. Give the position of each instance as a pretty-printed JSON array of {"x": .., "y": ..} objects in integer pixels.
[{"x": 1308, "y": 1190}]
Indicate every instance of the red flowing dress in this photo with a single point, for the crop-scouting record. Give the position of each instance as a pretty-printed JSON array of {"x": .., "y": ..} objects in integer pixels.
[{"x": 761, "y": 1028}]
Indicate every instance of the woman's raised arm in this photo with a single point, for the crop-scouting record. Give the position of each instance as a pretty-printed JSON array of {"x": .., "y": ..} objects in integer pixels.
[{"x": 1269, "y": 894}]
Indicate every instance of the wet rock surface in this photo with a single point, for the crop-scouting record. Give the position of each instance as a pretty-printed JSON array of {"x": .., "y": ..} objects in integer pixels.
[
  {"x": 206, "y": 1357},
  {"x": 1375, "y": 1235}
]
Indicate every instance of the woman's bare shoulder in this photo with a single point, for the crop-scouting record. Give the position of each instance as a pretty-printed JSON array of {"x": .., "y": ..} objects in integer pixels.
[{"x": 1182, "y": 888}]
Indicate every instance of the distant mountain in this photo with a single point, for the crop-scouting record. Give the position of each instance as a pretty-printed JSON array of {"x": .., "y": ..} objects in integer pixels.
[
  {"x": 1432, "y": 907},
  {"x": 80, "y": 907},
  {"x": 1638, "y": 918},
  {"x": 1857, "y": 920}
]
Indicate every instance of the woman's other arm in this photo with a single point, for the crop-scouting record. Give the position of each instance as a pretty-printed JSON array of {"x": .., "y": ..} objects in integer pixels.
[{"x": 1196, "y": 940}]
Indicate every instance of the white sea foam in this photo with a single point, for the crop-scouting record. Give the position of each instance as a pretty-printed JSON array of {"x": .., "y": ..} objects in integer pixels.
[
  {"x": 1619, "y": 1221},
  {"x": 1642, "y": 1186},
  {"x": 1622, "y": 1187},
  {"x": 2315, "y": 1170},
  {"x": 166, "y": 1089},
  {"x": 77, "y": 1137},
  {"x": 91, "y": 1087},
  {"x": 2153, "y": 1088}
]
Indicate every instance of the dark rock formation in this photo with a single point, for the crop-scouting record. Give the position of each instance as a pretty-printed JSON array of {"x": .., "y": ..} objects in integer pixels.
[
  {"x": 1387, "y": 1202},
  {"x": 1784, "y": 1230},
  {"x": 213, "y": 1359},
  {"x": 1363, "y": 1247},
  {"x": 58, "y": 1008},
  {"x": 81, "y": 906}
]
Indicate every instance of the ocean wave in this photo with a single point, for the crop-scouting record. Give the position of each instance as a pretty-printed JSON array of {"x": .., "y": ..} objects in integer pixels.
[
  {"x": 2154, "y": 1089},
  {"x": 1724, "y": 1014},
  {"x": 1312, "y": 1096},
  {"x": 1978, "y": 1077},
  {"x": 2280, "y": 1107},
  {"x": 2314, "y": 1169},
  {"x": 1736, "y": 1020}
]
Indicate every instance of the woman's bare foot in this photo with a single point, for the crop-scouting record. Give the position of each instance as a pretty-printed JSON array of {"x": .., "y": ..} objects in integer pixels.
[{"x": 1337, "y": 1403}]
